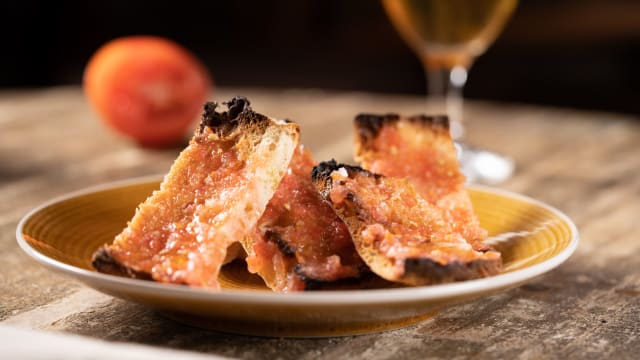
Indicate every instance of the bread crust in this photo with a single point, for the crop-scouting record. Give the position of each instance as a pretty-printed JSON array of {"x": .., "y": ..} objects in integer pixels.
[{"x": 104, "y": 262}]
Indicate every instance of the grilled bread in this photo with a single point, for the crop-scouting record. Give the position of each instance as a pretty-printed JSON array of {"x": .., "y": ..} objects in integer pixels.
[
  {"x": 212, "y": 197},
  {"x": 401, "y": 236},
  {"x": 299, "y": 242},
  {"x": 420, "y": 149}
]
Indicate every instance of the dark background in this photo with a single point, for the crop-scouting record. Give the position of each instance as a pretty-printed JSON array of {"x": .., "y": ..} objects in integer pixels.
[{"x": 578, "y": 53}]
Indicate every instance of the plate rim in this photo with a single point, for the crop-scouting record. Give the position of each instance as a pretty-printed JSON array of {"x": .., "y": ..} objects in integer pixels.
[{"x": 323, "y": 298}]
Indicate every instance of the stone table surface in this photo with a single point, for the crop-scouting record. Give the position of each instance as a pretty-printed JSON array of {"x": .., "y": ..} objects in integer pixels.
[{"x": 586, "y": 164}]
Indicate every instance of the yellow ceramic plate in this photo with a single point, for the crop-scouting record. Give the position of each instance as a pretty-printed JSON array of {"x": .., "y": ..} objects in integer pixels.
[{"x": 63, "y": 234}]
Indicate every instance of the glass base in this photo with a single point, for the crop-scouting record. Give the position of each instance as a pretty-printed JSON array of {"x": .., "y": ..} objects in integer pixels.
[{"x": 484, "y": 167}]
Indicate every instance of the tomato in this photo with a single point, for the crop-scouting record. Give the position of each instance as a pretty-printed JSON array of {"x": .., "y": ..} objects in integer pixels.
[{"x": 147, "y": 88}]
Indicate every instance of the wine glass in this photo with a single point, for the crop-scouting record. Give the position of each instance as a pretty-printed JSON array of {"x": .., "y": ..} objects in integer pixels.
[{"x": 448, "y": 35}]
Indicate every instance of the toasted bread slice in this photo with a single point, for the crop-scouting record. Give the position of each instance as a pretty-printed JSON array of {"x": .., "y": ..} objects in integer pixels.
[
  {"x": 401, "y": 236},
  {"x": 419, "y": 148},
  {"x": 212, "y": 197},
  {"x": 300, "y": 243}
]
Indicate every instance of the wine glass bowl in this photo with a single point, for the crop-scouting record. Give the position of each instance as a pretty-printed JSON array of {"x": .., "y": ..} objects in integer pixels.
[{"x": 449, "y": 33}]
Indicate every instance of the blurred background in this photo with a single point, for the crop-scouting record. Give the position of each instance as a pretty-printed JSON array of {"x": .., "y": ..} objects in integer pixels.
[{"x": 574, "y": 53}]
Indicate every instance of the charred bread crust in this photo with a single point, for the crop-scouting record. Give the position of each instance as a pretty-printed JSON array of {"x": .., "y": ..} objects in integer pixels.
[
  {"x": 352, "y": 213},
  {"x": 415, "y": 271},
  {"x": 323, "y": 170},
  {"x": 321, "y": 174},
  {"x": 311, "y": 283},
  {"x": 222, "y": 122},
  {"x": 105, "y": 263},
  {"x": 415, "y": 268},
  {"x": 368, "y": 126},
  {"x": 238, "y": 115},
  {"x": 283, "y": 246}
]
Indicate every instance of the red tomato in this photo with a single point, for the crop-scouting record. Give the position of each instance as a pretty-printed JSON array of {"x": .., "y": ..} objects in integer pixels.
[{"x": 148, "y": 88}]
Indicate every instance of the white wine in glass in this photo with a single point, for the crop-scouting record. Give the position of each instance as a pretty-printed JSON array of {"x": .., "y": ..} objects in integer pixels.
[{"x": 448, "y": 35}]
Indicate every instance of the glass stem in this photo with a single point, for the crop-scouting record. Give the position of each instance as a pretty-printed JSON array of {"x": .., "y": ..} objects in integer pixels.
[{"x": 445, "y": 93}]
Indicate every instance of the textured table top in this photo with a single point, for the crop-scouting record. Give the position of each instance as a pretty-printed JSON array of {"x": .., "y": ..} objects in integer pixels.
[{"x": 586, "y": 164}]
